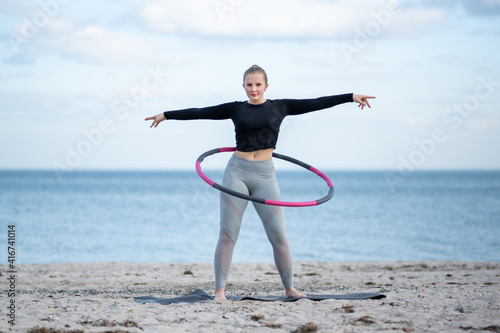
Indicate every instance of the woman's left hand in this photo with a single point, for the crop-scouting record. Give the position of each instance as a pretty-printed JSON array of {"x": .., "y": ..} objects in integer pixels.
[
  {"x": 156, "y": 119},
  {"x": 362, "y": 100}
]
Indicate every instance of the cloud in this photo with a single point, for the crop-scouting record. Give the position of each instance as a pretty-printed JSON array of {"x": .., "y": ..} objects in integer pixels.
[
  {"x": 258, "y": 18},
  {"x": 41, "y": 28},
  {"x": 19, "y": 8},
  {"x": 415, "y": 21},
  {"x": 476, "y": 7},
  {"x": 484, "y": 7},
  {"x": 99, "y": 45},
  {"x": 287, "y": 19},
  {"x": 90, "y": 43},
  {"x": 73, "y": 36}
]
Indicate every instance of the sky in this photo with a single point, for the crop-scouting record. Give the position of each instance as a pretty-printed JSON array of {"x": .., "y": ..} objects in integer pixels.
[{"x": 77, "y": 79}]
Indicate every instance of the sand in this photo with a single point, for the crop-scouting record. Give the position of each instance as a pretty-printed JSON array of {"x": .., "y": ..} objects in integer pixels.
[{"x": 426, "y": 296}]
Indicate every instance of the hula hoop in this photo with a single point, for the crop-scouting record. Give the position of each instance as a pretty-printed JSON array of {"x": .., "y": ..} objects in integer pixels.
[{"x": 261, "y": 200}]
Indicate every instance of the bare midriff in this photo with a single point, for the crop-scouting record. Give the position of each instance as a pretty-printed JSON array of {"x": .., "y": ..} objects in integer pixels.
[{"x": 258, "y": 155}]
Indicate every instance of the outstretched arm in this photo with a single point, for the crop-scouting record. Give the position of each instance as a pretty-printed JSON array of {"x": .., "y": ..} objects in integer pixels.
[
  {"x": 156, "y": 119},
  {"x": 217, "y": 112},
  {"x": 300, "y": 106},
  {"x": 362, "y": 100}
]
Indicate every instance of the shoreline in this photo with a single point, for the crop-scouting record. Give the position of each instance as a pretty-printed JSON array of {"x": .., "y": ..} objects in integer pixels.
[{"x": 95, "y": 297}]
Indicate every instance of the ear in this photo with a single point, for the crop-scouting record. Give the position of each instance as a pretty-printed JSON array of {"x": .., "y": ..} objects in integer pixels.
[{"x": 267, "y": 85}]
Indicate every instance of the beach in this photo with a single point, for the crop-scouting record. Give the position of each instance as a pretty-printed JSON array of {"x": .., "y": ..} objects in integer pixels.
[{"x": 421, "y": 296}]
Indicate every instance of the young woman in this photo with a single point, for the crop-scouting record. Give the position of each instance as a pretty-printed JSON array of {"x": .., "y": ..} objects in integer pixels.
[{"x": 251, "y": 171}]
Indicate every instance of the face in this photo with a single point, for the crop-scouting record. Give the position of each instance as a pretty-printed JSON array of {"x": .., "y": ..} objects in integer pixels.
[{"x": 255, "y": 85}]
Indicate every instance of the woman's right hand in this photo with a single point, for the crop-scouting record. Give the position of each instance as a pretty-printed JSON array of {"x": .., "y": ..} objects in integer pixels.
[{"x": 156, "y": 119}]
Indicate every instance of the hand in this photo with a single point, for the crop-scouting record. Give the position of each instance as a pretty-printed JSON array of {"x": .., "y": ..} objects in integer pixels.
[
  {"x": 156, "y": 120},
  {"x": 362, "y": 100}
]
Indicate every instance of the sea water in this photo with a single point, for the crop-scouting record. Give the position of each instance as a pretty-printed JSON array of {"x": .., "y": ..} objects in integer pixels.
[{"x": 173, "y": 216}]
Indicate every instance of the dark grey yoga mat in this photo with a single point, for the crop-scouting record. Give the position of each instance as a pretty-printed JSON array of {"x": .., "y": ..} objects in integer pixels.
[{"x": 200, "y": 296}]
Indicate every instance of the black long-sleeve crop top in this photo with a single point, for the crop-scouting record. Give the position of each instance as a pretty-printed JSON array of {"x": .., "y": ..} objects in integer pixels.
[{"x": 257, "y": 126}]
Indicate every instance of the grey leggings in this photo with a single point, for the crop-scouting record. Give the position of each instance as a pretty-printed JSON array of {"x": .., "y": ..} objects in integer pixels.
[{"x": 255, "y": 178}]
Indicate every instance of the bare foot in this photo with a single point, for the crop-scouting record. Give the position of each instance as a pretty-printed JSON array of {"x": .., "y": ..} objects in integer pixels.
[
  {"x": 291, "y": 292},
  {"x": 219, "y": 295}
]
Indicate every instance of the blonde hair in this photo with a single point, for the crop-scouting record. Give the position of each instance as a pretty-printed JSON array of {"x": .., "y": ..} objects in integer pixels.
[{"x": 253, "y": 70}]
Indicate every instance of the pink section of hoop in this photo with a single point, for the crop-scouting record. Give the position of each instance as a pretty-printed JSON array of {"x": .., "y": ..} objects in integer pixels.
[
  {"x": 291, "y": 204},
  {"x": 202, "y": 175},
  {"x": 226, "y": 149},
  {"x": 322, "y": 175}
]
